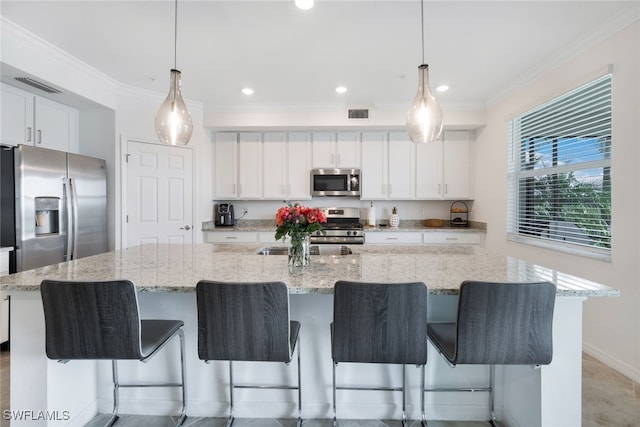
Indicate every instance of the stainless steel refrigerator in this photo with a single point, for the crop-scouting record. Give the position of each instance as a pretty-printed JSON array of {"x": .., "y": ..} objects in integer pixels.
[{"x": 60, "y": 206}]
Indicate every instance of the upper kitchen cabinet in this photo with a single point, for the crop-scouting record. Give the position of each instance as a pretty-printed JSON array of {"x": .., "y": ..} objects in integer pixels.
[
  {"x": 250, "y": 169},
  {"x": 299, "y": 165},
  {"x": 225, "y": 173},
  {"x": 286, "y": 165},
  {"x": 442, "y": 167},
  {"x": 387, "y": 166},
  {"x": 33, "y": 120},
  {"x": 262, "y": 166},
  {"x": 336, "y": 150}
]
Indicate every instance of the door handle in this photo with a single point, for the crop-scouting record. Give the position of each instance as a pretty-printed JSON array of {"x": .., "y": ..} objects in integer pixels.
[{"x": 186, "y": 227}]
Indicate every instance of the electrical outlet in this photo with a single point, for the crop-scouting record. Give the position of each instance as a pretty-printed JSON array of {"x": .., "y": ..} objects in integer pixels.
[{"x": 245, "y": 211}]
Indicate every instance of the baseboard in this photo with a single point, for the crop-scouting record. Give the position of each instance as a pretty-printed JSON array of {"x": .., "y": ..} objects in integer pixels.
[
  {"x": 80, "y": 419},
  {"x": 614, "y": 363},
  {"x": 289, "y": 410}
]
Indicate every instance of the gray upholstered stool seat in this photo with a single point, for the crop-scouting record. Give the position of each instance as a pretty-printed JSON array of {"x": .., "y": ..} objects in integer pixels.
[
  {"x": 379, "y": 323},
  {"x": 101, "y": 321},
  {"x": 497, "y": 324},
  {"x": 247, "y": 322}
]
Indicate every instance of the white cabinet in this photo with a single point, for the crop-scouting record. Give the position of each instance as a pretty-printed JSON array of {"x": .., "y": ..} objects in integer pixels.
[
  {"x": 374, "y": 174},
  {"x": 453, "y": 238},
  {"x": 442, "y": 168},
  {"x": 225, "y": 175},
  {"x": 299, "y": 166},
  {"x": 33, "y": 120},
  {"x": 456, "y": 165},
  {"x": 232, "y": 237},
  {"x": 262, "y": 166},
  {"x": 287, "y": 161},
  {"x": 275, "y": 162},
  {"x": 388, "y": 166},
  {"x": 393, "y": 237},
  {"x": 250, "y": 165},
  {"x": 336, "y": 150}
]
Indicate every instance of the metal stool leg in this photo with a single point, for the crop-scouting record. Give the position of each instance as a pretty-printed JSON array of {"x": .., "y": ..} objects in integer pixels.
[
  {"x": 335, "y": 422},
  {"x": 423, "y": 423},
  {"x": 183, "y": 412},
  {"x": 492, "y": 385},
  {"x": 404, "y": 396},
  {"x": 299, "y": 423},
  {"x": 231, "y": 417},
  {"x": 116, "y": 394}
]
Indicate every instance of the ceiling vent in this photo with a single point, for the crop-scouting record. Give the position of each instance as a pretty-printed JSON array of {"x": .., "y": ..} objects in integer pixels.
[
  {"x": 37, "y": 84},
  {"x": 361, "y": 113}
]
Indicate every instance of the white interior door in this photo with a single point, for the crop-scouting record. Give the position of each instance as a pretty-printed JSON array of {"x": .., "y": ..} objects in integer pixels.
[{"x": 159, "y": 194}]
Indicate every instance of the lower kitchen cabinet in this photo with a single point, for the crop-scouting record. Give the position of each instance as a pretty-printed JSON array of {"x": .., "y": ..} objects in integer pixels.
[
  {"x": 393, "y": 237},
  {"x": 452, "y": 238},
  {"x": 232, "y": 237}
]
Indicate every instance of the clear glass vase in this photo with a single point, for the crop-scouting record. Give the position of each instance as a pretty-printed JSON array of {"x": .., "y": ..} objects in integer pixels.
[{"x": 299, "y": 252}]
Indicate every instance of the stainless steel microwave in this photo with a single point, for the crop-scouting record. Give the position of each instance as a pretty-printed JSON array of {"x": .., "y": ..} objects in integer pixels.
[{"x": 335, "y": 182}]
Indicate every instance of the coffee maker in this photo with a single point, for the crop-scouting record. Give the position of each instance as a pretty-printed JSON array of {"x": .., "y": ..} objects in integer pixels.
[{"x": 223, "y": 215}]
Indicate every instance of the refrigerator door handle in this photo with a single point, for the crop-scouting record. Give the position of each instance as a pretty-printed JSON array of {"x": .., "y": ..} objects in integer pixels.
[
  {"x": 74, "y": 212},
  {"x": 66, "y": 184}
]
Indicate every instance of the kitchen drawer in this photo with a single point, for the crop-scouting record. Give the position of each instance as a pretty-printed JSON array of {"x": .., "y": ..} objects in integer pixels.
[
  {"x": 232, "y": 237},
  {"x": 393, "y": 237},
  {"x": 453, "y": 238},
  {"x": 267, "y": 237}
]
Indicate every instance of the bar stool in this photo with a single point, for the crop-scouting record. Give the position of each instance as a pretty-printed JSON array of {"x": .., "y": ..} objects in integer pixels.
[
  {"x": 497, "y": 324},
  {"x": 247, "y": 322},
  {"x": 100, "y": 320},
  {"x": 379, "y": 323}
]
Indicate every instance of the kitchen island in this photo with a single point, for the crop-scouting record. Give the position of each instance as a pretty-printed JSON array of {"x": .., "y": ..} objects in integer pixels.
[{"x": 166, "y": 275}]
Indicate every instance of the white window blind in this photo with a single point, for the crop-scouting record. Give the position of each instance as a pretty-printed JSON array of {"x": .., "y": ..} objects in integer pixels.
[{"x": 560, "y": 170}]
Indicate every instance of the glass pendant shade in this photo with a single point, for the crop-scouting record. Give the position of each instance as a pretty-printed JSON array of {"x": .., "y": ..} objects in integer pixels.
[
  {"x": 424, "y": 119},
  {"x": 173, "y": 122}
]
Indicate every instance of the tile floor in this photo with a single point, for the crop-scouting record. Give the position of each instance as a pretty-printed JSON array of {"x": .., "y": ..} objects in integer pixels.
[{"x": 609, "y": 400}]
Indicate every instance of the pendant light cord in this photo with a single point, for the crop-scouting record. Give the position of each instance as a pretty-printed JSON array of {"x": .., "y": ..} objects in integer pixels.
[
  {"x": 175, "y": 36},
  {"x": 421, "y": 26}
]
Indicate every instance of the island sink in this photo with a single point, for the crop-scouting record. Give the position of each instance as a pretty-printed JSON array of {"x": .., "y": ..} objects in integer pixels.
[{"x": 315, "y": 250}]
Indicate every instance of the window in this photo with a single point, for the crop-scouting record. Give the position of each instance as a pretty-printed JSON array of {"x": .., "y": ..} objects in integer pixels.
[{"x": 559, "y": 172}]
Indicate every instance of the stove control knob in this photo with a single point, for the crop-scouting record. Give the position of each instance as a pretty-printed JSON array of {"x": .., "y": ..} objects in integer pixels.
[
  {"x": 355, "y": 233},
  {"x": 318, "y": 233}
]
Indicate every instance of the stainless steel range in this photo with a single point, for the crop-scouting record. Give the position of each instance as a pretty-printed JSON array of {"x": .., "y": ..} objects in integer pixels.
[{"x": 342, "y": 227}]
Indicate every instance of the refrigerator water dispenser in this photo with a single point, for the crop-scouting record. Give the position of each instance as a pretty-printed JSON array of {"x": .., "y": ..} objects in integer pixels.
[{"x": 47, "y": 215}]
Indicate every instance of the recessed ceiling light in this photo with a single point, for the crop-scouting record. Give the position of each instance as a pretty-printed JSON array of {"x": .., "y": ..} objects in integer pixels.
[
  {"x": 247, "y": 91},
  {"x": 304, "y": 4},
  {"x": 341, "y": 89},
  {"x": 442, "y": 88}
]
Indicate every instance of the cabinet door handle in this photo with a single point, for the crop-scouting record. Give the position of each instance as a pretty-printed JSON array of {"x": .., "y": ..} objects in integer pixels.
[
  {"x": 392, "y": 238},
  {"x": 338, "y": 159},
  {"x": 439, "y": 188},
  {"x": 331, "y": 158},
  {"x": 446, "y": 188},
  {"x": 231, "y": 237},
  {"x": 452, "y": 238},
  {"x": 29, "y": 134},
  {"x": 39, "y": 140}
]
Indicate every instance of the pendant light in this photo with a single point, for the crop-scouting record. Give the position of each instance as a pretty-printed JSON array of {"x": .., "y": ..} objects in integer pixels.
[
  {"x": 424, "y": 119},
  {"x": 173, "y": 122}
]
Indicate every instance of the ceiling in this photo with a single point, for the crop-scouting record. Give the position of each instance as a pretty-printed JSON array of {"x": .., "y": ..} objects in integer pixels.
[{"x": 295, "y": 59}]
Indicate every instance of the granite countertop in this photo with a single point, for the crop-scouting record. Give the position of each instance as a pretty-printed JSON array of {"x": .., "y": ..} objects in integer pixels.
[
  {"x": 405, "y": 226},
  {"x": 177, "y": 268}
]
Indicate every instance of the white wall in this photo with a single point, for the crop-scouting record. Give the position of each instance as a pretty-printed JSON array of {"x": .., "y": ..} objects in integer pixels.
[{"x": 611, "y": 325}]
